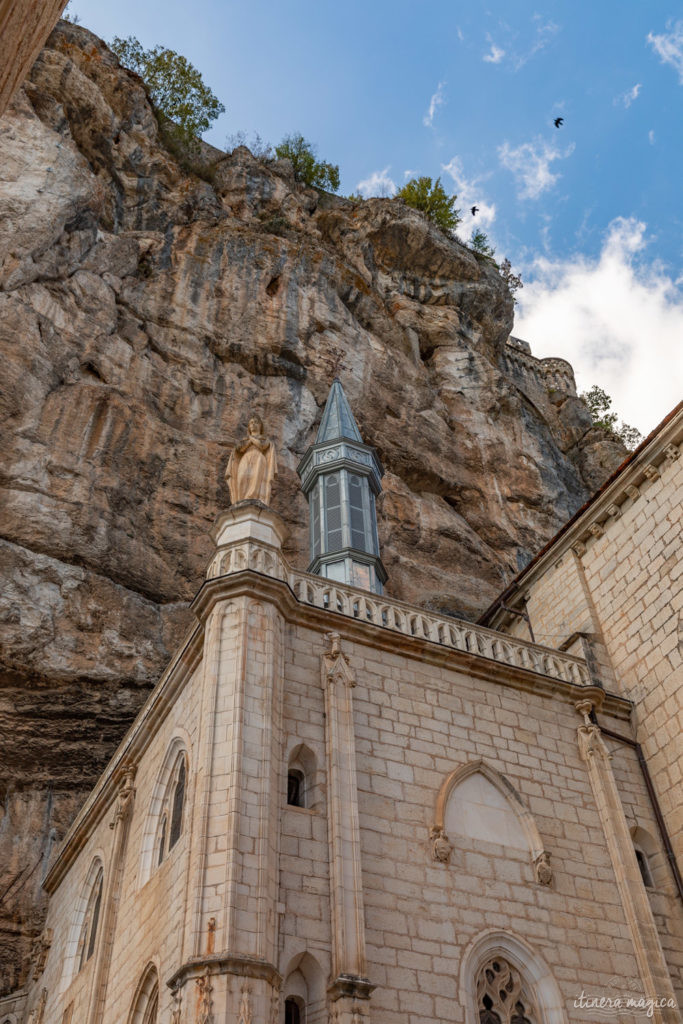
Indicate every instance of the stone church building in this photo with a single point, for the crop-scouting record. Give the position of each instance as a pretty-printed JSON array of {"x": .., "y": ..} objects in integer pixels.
[{"x": 338, "y": 807}]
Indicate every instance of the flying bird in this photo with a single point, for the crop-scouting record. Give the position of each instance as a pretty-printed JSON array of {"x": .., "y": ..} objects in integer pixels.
[
  {"x": 475, "y": 210},
  {"x": 558, "y": 122}
]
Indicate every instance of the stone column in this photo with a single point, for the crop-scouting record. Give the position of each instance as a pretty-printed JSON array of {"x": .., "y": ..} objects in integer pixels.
[
  {"x": 647, "y": 947},
  {"x": 229, "y": 971},
  {"x": 120, "y": 824},
  {"x": 349, "y": 989}
]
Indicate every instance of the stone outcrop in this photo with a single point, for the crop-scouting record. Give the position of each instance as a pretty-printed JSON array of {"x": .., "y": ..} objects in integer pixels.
[{"x": 144, "y": 311}]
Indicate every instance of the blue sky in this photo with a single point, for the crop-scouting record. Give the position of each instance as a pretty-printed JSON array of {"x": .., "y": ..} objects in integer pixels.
[{"x": 591, "y": 213}]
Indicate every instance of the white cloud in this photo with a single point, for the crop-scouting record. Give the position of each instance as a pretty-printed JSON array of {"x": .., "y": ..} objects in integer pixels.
[
  {"x": 651, "y": 136},
  {"x": 461, "y": 37},
  {"x": 530, "y": 164},
  {"x": 436, "y": 101},
  {"x": 617, "y": 319},
  {"x": 409, "y": 174},
  {"x": 496, "y": 55},
  {"x": 469, "y": 194},
  {"x": 629, "y": 96},
  {"x": 669, "y": 47},
  {"x": 377, "y": 184},
  {"x": 544, "y": 33}
]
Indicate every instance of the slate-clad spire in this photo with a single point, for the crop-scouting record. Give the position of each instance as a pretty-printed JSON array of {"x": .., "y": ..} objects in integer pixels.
[
  {"x": 340, "y": 476},
  {"x": 337, "y": 421}
]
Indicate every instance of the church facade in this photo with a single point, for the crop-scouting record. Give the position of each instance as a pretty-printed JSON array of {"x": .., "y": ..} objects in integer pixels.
[{"x": 337, "y": 807}]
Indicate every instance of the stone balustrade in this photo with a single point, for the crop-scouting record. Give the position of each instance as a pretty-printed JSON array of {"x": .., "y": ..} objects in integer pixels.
[{"x": 250, "y": 554}]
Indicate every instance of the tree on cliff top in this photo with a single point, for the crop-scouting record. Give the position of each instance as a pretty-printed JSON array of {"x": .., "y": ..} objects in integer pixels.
[
  {"x": 308, "y": 170},
  {"x": 599, "y": 405},
  {"x": 432, "y": 200},
  {"x": 176, "y": 88}
]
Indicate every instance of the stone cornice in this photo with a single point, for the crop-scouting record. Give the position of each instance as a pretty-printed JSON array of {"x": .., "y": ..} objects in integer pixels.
[
  {"x": 225, "y": 963},
  {"x": 642, "y": 469}
]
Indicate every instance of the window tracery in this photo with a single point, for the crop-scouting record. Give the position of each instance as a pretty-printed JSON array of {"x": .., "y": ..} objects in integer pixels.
[
  {"x": 171, "y": 817},
  {"x": 501, "y": 998},
  {"x": 88, "y": 935}
]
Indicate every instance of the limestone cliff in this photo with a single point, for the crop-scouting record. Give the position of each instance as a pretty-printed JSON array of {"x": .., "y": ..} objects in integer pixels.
[{"x": 143, "y": 312}]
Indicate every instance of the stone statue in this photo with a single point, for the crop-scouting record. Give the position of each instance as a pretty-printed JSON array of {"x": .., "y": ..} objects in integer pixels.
[
  {"x": 441, "y": 845},
  {"x": 251, "y": 467},
  {"x": 544, "y": 873}
]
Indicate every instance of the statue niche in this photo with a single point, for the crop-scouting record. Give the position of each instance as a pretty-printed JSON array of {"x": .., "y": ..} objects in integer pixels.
[{"x": 251, "y": 466}]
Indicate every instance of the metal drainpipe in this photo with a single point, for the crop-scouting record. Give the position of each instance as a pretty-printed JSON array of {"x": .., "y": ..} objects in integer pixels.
[
  {"x": 522, "y": 615},
  {"x": 653, "y": 799}
]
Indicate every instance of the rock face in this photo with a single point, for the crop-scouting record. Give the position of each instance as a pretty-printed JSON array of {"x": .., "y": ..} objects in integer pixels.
[{"x": 144, "y": 311}]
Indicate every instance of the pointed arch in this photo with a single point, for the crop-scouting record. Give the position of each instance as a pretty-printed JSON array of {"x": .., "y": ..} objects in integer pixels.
[
  {"x": 304, "y": 986},
  {"x": 302, "y": 768},
  {"x": 532, "y": 968},
  {"x": 145, "y": 1008},
  {"x": 83, "y": 935},
  {"x": 503, "y": 786},
  {"x": 167, "y": 812}
]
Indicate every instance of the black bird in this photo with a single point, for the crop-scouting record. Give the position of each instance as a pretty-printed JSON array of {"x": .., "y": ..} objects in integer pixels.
[
  {"x": 558, "y": 122},
  {"x": 474, "y": 210}
]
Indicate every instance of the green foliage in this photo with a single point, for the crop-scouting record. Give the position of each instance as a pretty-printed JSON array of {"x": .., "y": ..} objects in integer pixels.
[
  {"x": 479, "y": 243},
  {"x": 356, "y": 197},
  {"x": 432, "y": 200},
  {"x": 186, "y": 105},
  {"x": 513, "y": 281},
  {"x": 600, "y": 407},
  {"x": 308, "y": 170}
]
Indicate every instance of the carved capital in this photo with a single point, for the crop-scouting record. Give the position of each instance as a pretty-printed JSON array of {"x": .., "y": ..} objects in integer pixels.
[
  {"x": 651, "y": 472},
  {"x": 591, "y": 743},
  {"x": 632, "y": 492},
  {"x": 542, "y": 869},
  {"x": 441, "y": 845},
  {"x": 125, "y": 795},
  {"x": 614, "y": 511},
  {"x": 672, "y": 452},
  {"x": 579, "y": 549},
  {"x": 596, "y": 529},
  {"x": 336, "y": 664}
]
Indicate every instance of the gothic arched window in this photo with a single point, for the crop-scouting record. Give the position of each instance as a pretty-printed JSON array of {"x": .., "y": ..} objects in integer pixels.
[
  {"x": 302, "y": 788},
  {"x": 91, "y": 919},
  {"x": 501, "y": 996},
  {"x": 146, "y": 1003},
  {"x": 171, "y": 818},
  {"x": 293, "y": 1011}
]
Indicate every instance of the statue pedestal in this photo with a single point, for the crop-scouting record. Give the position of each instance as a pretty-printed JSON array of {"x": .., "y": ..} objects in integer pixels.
[{"x": 249, "y": 535}]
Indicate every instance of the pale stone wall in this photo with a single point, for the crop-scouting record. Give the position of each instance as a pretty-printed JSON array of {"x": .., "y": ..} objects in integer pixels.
[
  {"x": 263, "y": 871},
  {"x": 151, "y": 916},
  {"x": 625, "y": 588}
]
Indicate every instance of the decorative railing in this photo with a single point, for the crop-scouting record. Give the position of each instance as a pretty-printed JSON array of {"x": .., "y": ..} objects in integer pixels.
[
  {"x": 454, "y": 633},
  {"x": 398, "y": 616}
]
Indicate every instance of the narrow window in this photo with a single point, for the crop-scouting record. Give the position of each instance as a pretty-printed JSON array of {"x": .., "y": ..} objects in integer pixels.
[
  {"x": 152, "y": 1008},
  {"x": 333, "y": 512},
  {"x": 162, "y": 840},
  {"x": 295, "y": 788},
  {"x": 292, "y": 1012},
  {"x": 177, "y": 811},
  {"x": 358, "y": 539},
  {"x": 644, "y": 869},
  {"x": 501, "y": 997},
  {"x": 90, "y": 922},
  {"x": 315, "y": 520}
]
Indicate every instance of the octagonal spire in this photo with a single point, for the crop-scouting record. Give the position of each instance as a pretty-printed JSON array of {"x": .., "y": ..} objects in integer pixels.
[{"x": 337, "y": 421}]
